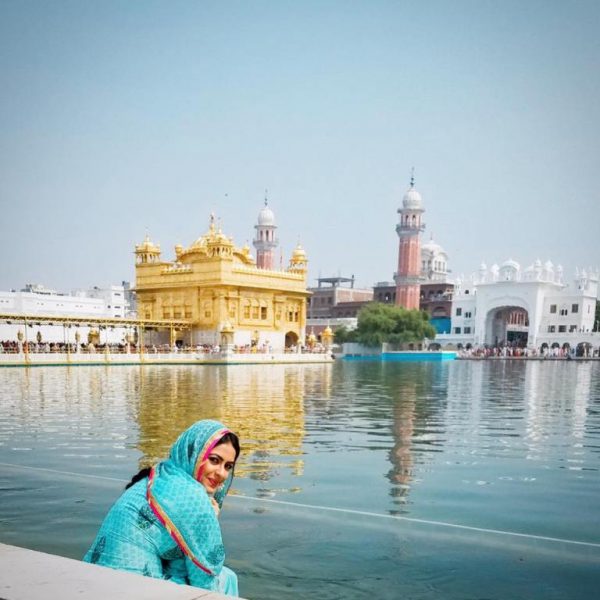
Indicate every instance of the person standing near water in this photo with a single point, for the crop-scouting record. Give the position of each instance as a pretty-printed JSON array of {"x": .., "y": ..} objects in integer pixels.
[{"x": 165, "y": 525}]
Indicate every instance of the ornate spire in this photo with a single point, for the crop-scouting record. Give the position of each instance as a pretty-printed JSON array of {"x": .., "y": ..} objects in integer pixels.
[
  {"x": 265, "y": 241},
  {"x": 412, "y": 177}
]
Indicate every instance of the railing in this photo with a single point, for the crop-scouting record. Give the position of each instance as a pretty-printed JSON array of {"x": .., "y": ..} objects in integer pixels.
[{"x": 30, "y": 348}]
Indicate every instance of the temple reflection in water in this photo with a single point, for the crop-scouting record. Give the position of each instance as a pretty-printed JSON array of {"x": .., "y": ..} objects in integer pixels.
[{"x": 263, "y": 405}]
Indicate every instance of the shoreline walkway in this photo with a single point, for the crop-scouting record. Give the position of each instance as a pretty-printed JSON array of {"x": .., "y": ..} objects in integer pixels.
[
  {"x": 49, "y": 359},
  {"x": 532, "y": 358},
  {"x": 32, "y": 575}
]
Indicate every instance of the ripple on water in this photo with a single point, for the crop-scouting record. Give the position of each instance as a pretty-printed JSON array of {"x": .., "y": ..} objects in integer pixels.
[{"x": 498, "y": 446}]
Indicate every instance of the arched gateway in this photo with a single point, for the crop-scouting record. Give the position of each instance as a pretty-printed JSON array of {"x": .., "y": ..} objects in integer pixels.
[
  {"x": 532, "y": 308},
  {"x": 507, "y": 326}
]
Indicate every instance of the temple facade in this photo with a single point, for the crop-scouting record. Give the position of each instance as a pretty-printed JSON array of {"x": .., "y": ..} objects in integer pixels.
[
  {"x": 532, "y": 308},
  {"x": 221, "y": 290}
]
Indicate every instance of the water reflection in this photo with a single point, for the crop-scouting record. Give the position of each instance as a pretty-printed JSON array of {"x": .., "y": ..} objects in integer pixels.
[
  {"x": 264, "y": 405},
  {"x": 418, "y": 396},
  {"x": 455, "y": 443}
]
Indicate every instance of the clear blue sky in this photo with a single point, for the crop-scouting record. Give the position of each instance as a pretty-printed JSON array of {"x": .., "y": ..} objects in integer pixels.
[{"x": 119, "y": 118}]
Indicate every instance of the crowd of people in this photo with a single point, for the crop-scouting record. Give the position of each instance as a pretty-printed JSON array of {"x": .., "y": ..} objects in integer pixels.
[
  {"x": 15, "y": 347},
  {"x": 507, "y": 351}
]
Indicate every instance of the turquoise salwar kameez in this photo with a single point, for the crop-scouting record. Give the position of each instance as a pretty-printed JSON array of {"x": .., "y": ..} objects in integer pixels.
[{"x": 165, "y": 526}]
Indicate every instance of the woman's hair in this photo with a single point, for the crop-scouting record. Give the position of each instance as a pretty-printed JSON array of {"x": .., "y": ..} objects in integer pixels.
[
  {"x": 233, "y": 439},
  {"x": 229, "y": 437},
  {"x": 141, "y": 474}
]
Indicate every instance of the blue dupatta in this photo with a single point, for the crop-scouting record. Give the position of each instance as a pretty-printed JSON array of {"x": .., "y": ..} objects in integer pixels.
[{"x": 181, "y": 502}]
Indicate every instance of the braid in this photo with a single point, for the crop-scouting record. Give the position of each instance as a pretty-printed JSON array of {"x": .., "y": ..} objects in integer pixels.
[{"x": 141, "y": 474}]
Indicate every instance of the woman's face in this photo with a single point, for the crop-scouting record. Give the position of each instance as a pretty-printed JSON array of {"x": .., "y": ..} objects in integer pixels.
[{"x": 217, "y": 466}]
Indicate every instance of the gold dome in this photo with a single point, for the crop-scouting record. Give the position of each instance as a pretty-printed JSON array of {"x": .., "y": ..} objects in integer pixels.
[
  {"x": 298, "y": 261},
  {"x": 299, "y": 255},
  {"x": 147, "y": 246}
]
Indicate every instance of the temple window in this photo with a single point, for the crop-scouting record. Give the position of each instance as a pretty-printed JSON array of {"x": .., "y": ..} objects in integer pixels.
[{"x": 263, "y": 313}]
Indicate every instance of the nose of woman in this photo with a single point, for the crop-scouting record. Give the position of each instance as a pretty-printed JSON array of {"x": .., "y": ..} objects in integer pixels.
[{"x": 222, "y": 472}]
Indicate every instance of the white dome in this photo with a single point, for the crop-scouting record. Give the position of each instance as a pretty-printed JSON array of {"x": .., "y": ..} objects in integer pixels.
[
  {"x": 412, "y": 199},
  {"x": 266, "y": 216},
  {"x": 511, "y": 264},
  {"x": 432, "y": 247},
  {"x": 548, "y": 265}
]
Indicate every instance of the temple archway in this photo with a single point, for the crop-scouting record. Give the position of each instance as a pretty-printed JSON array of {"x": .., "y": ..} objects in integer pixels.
[
  {"x": 584, "y": 349},
  {"x": 291, "y": 339},
  {"x": 507, "y": 326}
]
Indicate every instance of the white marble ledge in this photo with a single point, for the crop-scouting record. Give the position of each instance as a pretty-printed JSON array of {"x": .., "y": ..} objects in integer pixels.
[{"x": 30, "y": 575}]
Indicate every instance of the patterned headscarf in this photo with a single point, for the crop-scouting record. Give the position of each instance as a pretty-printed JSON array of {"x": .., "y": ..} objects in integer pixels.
[{"x": 181, "y": 502}]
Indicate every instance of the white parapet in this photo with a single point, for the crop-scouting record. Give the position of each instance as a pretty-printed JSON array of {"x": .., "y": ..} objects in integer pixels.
[
  {"x": 175, "y": 358},
  {"x": 30, "y": 575}
]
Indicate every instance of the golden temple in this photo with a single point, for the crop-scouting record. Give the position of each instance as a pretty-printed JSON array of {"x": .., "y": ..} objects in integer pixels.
[{"x": 222, "y": 294}]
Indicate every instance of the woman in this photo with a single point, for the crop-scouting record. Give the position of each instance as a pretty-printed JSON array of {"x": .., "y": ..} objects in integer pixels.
[{"x": 165, "y": 523}]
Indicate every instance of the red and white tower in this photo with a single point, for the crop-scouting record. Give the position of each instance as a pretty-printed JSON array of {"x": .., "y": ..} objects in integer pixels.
[
  {"x": 409, "y": 230},
  {"x": 265, "y": 241}
]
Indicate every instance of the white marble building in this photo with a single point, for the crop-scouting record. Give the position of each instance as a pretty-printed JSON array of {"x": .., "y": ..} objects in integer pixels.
[
  {"x": 434, "y": 263},
  {"x": 533, "y": 308},
  {"x": 35, "y": 299}
]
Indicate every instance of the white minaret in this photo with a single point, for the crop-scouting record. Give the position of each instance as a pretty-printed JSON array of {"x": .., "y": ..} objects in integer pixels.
[{"x": 265, "y": 241}]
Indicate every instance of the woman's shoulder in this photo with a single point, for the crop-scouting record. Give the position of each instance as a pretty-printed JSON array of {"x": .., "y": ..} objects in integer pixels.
[{"x": 132, "y": 513}]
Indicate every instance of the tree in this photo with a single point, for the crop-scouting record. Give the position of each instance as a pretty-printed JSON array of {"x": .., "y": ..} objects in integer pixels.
[
  {"x": 342, "y": 334},
  {"x": 381, "y": 323},
  {"x": 597, "y": 317}
]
